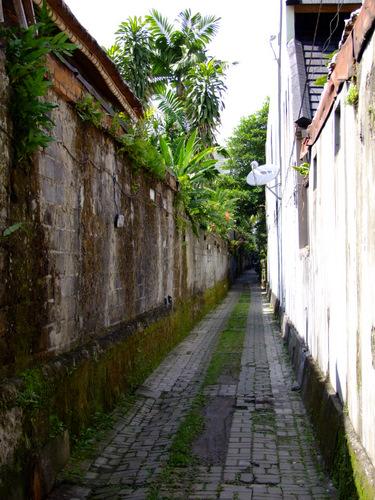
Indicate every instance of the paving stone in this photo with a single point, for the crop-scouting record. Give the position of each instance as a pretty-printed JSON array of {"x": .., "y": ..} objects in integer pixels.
[{"x": 268, "y": 455}]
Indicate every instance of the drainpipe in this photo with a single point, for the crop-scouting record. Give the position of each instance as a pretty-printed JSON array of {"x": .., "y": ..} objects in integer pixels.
[{"x": 279, "y": 200}]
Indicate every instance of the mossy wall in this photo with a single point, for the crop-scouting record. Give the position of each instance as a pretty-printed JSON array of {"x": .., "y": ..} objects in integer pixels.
[
  {"x": 71, "y": 274},
  {"x": 56, "y": 400}
]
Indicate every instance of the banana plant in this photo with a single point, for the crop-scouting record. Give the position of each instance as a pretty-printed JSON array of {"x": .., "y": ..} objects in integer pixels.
[
  {"x": 195, "y": 168},
  {"x": 187, "y": 160}
]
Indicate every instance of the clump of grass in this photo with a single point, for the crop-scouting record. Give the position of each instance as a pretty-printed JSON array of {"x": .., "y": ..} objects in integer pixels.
[
  {"x": 86, "y": 444},
  {"x": 35, "y": 392},
  {"x": 181, "y": 450},
  {"x": 227, "y": 355},
  {"x": 89, "y": 110},
  {"x": 353, "y": 95}
]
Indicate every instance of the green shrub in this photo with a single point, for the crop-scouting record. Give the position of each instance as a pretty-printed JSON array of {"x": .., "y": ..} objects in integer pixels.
[{"x": 26, "y": 65}]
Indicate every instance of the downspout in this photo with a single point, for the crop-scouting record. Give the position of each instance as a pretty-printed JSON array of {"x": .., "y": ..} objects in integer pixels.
[{"x": 279, "y": 199}]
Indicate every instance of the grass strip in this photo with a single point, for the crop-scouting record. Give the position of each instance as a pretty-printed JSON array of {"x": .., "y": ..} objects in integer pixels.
[
  {"x": 226, "y": 359},
  {"x": 181, "y": 453}
]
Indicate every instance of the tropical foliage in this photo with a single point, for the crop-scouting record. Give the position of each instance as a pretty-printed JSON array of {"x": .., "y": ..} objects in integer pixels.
[
  {"x": 167, "y": 64},
  {"x": 194, "y": 168},
  {"x": 246, "y": 145}
]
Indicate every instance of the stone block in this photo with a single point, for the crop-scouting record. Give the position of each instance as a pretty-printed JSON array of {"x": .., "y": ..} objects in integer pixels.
[{"x": 48, "y": 190}]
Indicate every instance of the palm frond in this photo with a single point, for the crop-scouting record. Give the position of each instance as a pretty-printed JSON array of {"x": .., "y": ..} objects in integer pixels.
[
  {"x": 172, "y": 106},
  {"x": 189, "y": 149},
  {"x": 207, "y": 28},
  {"x": 159, "y": 26}
]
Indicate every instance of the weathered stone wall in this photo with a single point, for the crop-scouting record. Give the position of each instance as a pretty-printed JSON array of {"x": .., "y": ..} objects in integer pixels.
[
  {"x": 72, "y": 274},
  {"x": 48, "y": 405}
]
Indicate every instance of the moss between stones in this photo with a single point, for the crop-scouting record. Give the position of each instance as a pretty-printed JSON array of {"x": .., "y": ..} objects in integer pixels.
[
  {"x": 328, "y": 420},
  {"x": 72, "y": 392},
  {"x": 27, "y": 264}
]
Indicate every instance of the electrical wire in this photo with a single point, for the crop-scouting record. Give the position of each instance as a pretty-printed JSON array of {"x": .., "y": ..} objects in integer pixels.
[{"x": 332, "y": 31}]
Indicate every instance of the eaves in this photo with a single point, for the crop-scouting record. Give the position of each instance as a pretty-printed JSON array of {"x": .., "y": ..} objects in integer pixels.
[
  {"x": 318, "y": 2},
  {"x": 349, "y": 53},
  {"x": 64, "y": 19}
]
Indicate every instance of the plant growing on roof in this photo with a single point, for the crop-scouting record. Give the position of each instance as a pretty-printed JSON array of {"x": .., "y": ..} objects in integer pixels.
[
  {"x": 352, "y": 97},
  {"x": 322, "y": 80},
  {"x": 303, "y": 169},
  {"x": 89, "y": 110}
]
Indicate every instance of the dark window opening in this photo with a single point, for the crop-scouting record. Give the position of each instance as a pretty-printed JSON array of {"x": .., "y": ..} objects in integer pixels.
[
  {"x": 317, "y": 48},
  {"x": 305, "y": 25},
  {"x": 315, "y": 171},
  {"x": 337, "y": 125}
]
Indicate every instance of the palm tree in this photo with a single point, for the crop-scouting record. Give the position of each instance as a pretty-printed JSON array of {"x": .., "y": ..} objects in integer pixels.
[
  {"x": 204, "y": 98},
  {"x": 133, "y": 56},
  {"x": 168, "y": 63},
  {"x": 195, "y": 168},
  {"x": 186, "y": 158},
  {"x": 177, "y": 49}
]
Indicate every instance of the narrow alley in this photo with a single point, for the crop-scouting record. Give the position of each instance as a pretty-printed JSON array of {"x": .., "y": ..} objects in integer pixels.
[
  {"x": 255, "y": 440},
  {"x": 187, "y": 250}
]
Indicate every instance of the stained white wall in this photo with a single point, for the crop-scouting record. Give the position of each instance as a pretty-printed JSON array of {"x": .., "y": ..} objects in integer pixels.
[{"x": 328, "y": 287}]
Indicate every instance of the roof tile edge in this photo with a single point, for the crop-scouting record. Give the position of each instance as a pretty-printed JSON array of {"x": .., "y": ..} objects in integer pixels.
[{"x": 65, "y": 20}]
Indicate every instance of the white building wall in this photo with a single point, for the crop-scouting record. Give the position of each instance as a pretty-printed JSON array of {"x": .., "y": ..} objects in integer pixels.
[{"x": 328, "y": 287}]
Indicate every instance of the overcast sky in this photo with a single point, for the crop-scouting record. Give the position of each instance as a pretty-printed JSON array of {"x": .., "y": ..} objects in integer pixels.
[{"x": 245, "y": 29}]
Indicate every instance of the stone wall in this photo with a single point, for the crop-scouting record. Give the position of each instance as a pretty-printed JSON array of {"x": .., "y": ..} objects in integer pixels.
[
  {"x": 5, "y": 131},
  {"x": 87, "y": 309},
  {"x": 71, "y": 274}
]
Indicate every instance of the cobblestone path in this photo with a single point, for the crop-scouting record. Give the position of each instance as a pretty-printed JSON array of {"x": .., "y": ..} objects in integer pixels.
[{"x": 270, "y": 450}]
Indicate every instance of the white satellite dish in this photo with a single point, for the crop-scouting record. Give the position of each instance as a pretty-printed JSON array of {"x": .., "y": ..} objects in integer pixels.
[{"x": 261, "y": 174}]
